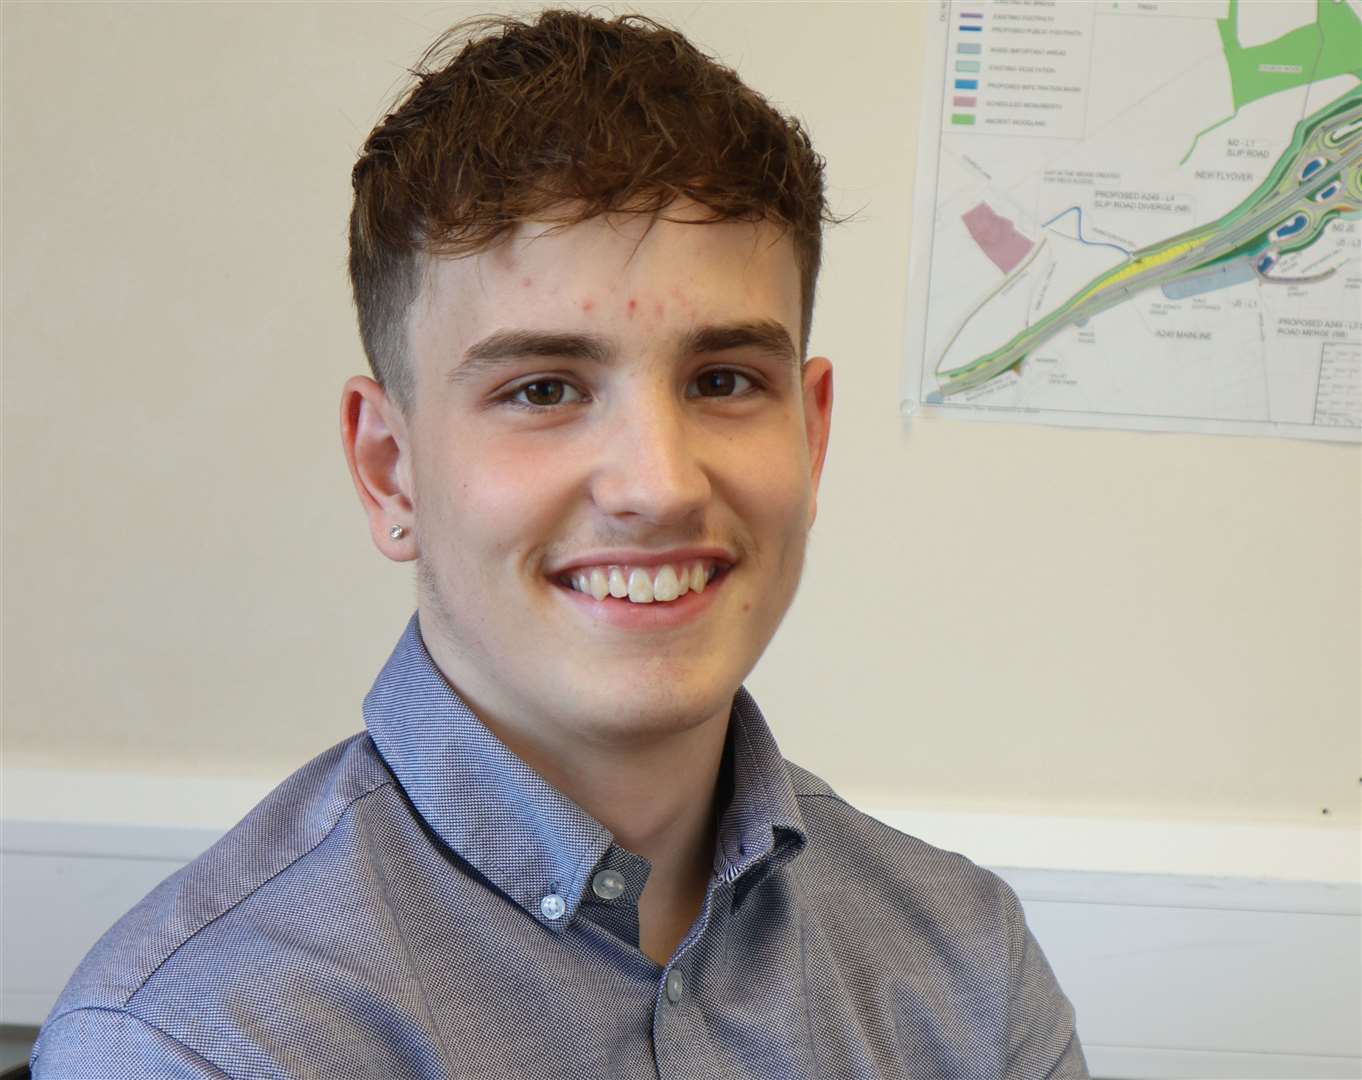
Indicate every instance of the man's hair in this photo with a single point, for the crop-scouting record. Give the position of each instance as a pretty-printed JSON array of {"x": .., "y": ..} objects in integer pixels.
[{"x": 561, "y": 119}]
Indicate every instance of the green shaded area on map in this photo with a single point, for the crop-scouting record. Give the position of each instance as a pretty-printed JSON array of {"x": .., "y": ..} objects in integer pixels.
[
  {"x": 1316, "y": 180},
  {"x": 1329, "y": 46}
]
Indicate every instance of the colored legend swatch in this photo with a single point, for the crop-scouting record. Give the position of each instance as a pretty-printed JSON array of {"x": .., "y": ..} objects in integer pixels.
[
  {"x": 967, "y": 71},
  {"x": 1029, "y": 79}
]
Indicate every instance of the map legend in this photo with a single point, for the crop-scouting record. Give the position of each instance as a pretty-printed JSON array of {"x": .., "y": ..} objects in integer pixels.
[
  {"x": 1028, "y": 60},
  {"x": 963, "y": 115}
]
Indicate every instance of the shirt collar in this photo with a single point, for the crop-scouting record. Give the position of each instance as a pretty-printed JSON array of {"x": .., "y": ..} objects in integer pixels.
[
  {"x": 762, "y": 828},
  {"x": 523, "y": 835}
]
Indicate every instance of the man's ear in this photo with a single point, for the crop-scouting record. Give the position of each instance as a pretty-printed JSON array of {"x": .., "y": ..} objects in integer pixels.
[
  {"x": 817, "y": 380},
  {"x": 377, "y": 449}
]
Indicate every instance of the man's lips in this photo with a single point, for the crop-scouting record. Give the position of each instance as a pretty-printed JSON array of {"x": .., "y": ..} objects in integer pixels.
[{"x": 639, "y": 615}]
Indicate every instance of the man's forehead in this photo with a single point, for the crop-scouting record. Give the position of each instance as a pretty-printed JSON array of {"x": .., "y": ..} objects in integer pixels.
[{"x": 642, "y": 266}]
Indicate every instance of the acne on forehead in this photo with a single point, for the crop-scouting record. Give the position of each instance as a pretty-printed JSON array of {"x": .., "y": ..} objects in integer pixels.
[
  {"x": 629, "y": 277},
  {"x": 633, "y": 304}
]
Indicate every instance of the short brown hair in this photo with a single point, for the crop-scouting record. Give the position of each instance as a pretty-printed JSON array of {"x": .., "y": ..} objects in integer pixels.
[{"x": 563, "y": 118}]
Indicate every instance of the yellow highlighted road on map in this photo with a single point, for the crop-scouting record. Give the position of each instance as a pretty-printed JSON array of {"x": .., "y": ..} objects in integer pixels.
[{"x": 1140, "y": 265}]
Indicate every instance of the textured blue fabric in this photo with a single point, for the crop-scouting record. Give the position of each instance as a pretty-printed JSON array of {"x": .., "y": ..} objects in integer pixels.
[{"x": 380, "y": 915}]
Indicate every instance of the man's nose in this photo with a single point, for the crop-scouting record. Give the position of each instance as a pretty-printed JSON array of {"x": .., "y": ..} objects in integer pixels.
[{"x": 651, "y": 460}]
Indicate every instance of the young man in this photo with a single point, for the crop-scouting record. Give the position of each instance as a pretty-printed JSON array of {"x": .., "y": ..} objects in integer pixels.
[{"x": 584, "y": 259}]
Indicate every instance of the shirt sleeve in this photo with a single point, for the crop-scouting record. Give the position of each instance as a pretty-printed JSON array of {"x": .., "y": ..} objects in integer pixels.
[
  {"x": 1042, "y": 1040},
  {"x": 110, "y": 1044}
]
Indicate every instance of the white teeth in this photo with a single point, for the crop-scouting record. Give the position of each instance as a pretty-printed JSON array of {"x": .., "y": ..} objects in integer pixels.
[
  {"x": 665, "y": 585},
  {"x": 640, "y": 588}
]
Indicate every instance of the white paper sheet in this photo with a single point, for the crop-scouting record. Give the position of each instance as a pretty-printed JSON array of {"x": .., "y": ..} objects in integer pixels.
[{"x": 1140, "y": 215}]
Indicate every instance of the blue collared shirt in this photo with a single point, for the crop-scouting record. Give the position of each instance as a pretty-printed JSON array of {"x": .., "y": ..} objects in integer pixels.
[{"x": 418, "y": 903}]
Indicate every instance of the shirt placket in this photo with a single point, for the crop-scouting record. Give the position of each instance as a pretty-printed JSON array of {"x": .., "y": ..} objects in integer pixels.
[{"x": 682, "y": 1040}]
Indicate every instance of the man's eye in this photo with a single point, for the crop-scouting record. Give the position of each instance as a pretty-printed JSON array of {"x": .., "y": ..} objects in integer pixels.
[
  {"x": 721, "y": 382},
  {"x": 544, "y": 393}
]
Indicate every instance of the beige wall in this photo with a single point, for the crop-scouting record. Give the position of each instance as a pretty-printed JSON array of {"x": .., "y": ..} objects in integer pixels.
[{"x": 993, "y": 617}]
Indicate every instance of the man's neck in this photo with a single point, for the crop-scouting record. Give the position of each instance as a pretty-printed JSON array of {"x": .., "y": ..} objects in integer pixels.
[
  {"x": 656, "y": 795},
  {"x": 657, "y": 799}
]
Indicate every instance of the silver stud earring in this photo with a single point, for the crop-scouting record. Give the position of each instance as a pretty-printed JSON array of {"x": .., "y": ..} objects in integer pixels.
[{"x": 397, "y": 532}]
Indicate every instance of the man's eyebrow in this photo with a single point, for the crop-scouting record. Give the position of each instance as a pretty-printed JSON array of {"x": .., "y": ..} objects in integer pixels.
[
  {"x": 508, "y": 345},
  {"x": 505, "y": 346},
  {"x": 764, "y": 335}
]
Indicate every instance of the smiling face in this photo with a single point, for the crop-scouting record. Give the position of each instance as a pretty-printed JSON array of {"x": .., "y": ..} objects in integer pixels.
[{"x": 612, "y": 408}]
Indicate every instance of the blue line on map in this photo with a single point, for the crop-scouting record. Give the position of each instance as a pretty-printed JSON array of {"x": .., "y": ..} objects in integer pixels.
[{"x": 1091, "y": 243}]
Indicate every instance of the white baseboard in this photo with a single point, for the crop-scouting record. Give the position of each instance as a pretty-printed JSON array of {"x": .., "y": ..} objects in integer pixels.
[
  {"x": 1138, "y": 1062},
  {"x": 1221, "y": 973}
]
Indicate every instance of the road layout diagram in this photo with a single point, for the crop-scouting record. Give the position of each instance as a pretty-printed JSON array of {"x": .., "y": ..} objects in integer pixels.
[{"x": 1141, "y": 215}]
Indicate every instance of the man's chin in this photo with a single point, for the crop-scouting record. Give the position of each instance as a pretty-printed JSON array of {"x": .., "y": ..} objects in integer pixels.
[{"x": 634, "y": 716}]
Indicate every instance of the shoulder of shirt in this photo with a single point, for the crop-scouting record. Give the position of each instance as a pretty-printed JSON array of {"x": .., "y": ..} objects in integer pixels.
[
  {"x": 846, "y": 843},
  {"x": 282, "y": 830}
]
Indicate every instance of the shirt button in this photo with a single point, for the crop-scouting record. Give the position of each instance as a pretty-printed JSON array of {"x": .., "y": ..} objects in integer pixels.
[
  {"x": 552, "y": 907},
  {"x": 676, "y": 986},
  {"x": 608, "y": 885}
]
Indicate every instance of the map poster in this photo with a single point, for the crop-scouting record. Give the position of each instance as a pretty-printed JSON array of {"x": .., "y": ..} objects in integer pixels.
[{"x": 1141, "y": 215}]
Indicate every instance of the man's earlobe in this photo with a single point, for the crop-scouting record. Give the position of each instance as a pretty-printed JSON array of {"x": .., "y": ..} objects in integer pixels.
[{"x": 374, "y": 437}]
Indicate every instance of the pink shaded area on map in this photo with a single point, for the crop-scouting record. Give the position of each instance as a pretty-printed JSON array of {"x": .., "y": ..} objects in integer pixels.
[
  {"x": 996, "y": 236},
  {"x": 960, "y": 99}
]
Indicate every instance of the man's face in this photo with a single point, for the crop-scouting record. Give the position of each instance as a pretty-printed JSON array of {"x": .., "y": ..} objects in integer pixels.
[{"x": 610, "y": 395}]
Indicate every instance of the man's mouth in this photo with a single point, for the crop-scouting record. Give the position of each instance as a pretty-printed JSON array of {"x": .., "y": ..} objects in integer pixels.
[{"x": 658, "y": 584}]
